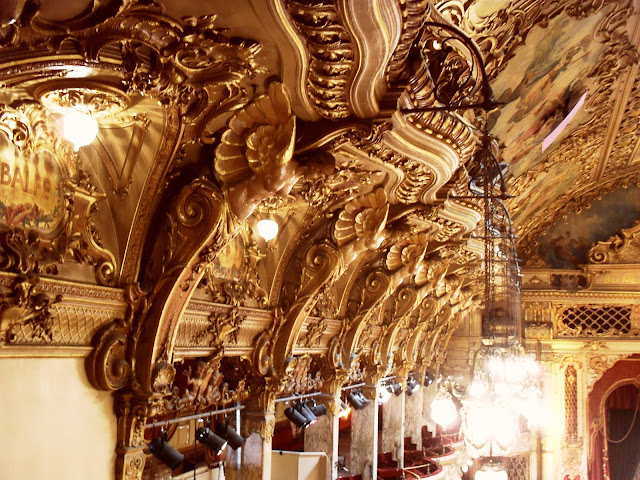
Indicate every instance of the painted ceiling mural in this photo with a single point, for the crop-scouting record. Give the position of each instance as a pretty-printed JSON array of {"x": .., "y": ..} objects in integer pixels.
[
  {"x": 540, "y": 84},
  {"x": 567, "y": 243},
  {"x": 564, "y": 57}
]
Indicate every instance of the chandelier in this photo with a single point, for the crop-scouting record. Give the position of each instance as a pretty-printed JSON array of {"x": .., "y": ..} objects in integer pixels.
[{"x": 506, "y": 383}]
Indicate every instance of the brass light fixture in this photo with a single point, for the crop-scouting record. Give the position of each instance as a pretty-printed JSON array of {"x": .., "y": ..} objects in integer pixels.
[
  {"x": 81, "y": 104},
  {"x": 504, "y": 379}
]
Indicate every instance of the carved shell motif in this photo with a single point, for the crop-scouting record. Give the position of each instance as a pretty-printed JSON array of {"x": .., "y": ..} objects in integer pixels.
[
  {"x": 363, "y": 216},
  {"x": 408, "y": 253},
  {"x": 260, "y": 136}
]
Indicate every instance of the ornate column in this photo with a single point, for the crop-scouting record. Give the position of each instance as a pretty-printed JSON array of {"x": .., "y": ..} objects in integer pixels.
[
  {"x": 323, "y": 435},
  {"x": 428, "y": 394},
  {"x": 132, "y": 411},
  {"x": 392, "y": 433},
  {"x": 258, "y": 422},
  {"x": 364, "y": 436},
  {"x": 233, "y": 461},
  {"x": 413, "y": 420}
]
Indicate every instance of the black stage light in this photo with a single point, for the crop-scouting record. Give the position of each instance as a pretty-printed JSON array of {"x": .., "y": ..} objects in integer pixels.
[
  {"x": 164, "y": 452},
  {"x": 210, "y": 440},
  {"x": 396, "y": 388},
  {"x": 412, "y": 386},
  {"x": 365, "y": 401},
  {"x": 297, "y": 418},
  {"x": 225, "y": 431},
  {"x": 319, "y": 410},
  {"x": 304, "y": 409},
  {"x": 428, "y": 379},
  {"x": 358, "y": 400}
]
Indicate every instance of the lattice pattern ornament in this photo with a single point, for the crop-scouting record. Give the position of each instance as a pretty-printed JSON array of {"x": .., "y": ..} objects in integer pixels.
[
  {"x": 517, "y": 467},
  {"x": 600, "y": 320},
  {"x": 571, "y": 404}
]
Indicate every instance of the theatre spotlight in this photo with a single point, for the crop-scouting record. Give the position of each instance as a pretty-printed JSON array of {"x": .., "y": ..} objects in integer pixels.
[
  {"x": 297, "y": 418},
  {"x": 356, "y": 400},
  {"x": 396, "y": 388},
  {"x": 309, "y": 415},
  {"x": 364, "y": 399},
  {"x": 384, "y": 395},
  {"x": 164, "y": 452},
  {"x": 210, "y": 440},
  {"x": 428, "y": 379},
  {"x": 412, "y": 386},
  {"x": 224, "y": 430},
  {"x": 319, "y": 409}
]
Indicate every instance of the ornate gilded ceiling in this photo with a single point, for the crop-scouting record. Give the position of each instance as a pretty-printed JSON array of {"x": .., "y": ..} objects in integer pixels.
[{"x": 355, "y": 125}]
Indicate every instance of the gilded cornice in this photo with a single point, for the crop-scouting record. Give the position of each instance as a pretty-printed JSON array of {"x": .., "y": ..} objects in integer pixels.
[
  {"x": 413, "y": 13},
  {"x": 374, "y": 27},
  {"x": 330, "y": 53},
  {"x": 50, "y": 317},
  {"x": 409, "y": 140}
]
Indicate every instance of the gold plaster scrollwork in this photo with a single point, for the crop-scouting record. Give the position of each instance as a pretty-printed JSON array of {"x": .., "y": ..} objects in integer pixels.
[
  {"x": 23, "y": 307},
  {"x": 298, "y": 378},
  {"x": 222, "y": 328},
  {"x": 33, "y": 241},
  {"x": 598, "y": 364},
  {"x": 262, "y": 356},
  {"x": 92, "y": 99},
  {"x": 313, "y": 334},
  {"x": 621, "y": 248},
  {"x": 361, "y": 225},
  {"x": 331, "y": 54},
  {"x": 106, "y": 365}
]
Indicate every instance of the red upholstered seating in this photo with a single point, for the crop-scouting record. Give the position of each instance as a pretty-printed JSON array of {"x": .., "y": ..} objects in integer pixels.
[
  {"x": 385, "y": 459},
  {"x": 390, "y": 473},
  {"x": 408, "y": 444},
  {"x": 413, "y": 457}
]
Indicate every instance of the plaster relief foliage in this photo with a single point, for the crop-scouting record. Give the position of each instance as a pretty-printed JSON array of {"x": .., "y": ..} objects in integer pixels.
[
  {"x": 414, "y": 13},
  {"x": 360, "y": 227},
  {"x": 415, "y": 177},
  {"x": 597, "y": 365},
  {"x": 313, "y": 335},
  {"x": 447, "y": 75},
  {"x": 299, "y": 377},
  {"x": 24, "y": 309},
  {"x": 223, "y": 328},
  {"x": 205, "y": 389},
  {"x": 235, "y": 281},
  {"x": 375, "y": 286}
]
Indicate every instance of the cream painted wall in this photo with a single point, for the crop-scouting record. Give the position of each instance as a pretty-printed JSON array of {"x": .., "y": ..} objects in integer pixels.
[
  {"x": 53, "y": 424},
  {"x": 298, "y": 465}
]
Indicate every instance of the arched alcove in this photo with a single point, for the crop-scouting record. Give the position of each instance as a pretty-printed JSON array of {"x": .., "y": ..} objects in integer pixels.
[{"x": 609, "y": 392}]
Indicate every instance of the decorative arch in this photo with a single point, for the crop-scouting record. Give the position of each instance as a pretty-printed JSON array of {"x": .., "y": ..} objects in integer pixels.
[{"x": 623, "y": 372}]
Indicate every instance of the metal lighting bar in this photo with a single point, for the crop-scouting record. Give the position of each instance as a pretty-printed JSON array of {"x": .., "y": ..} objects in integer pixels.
[
  {"x": 298, "y": 397},
  {"x": 192, "y": 417},
  {"x": 355, "y": 385}
]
